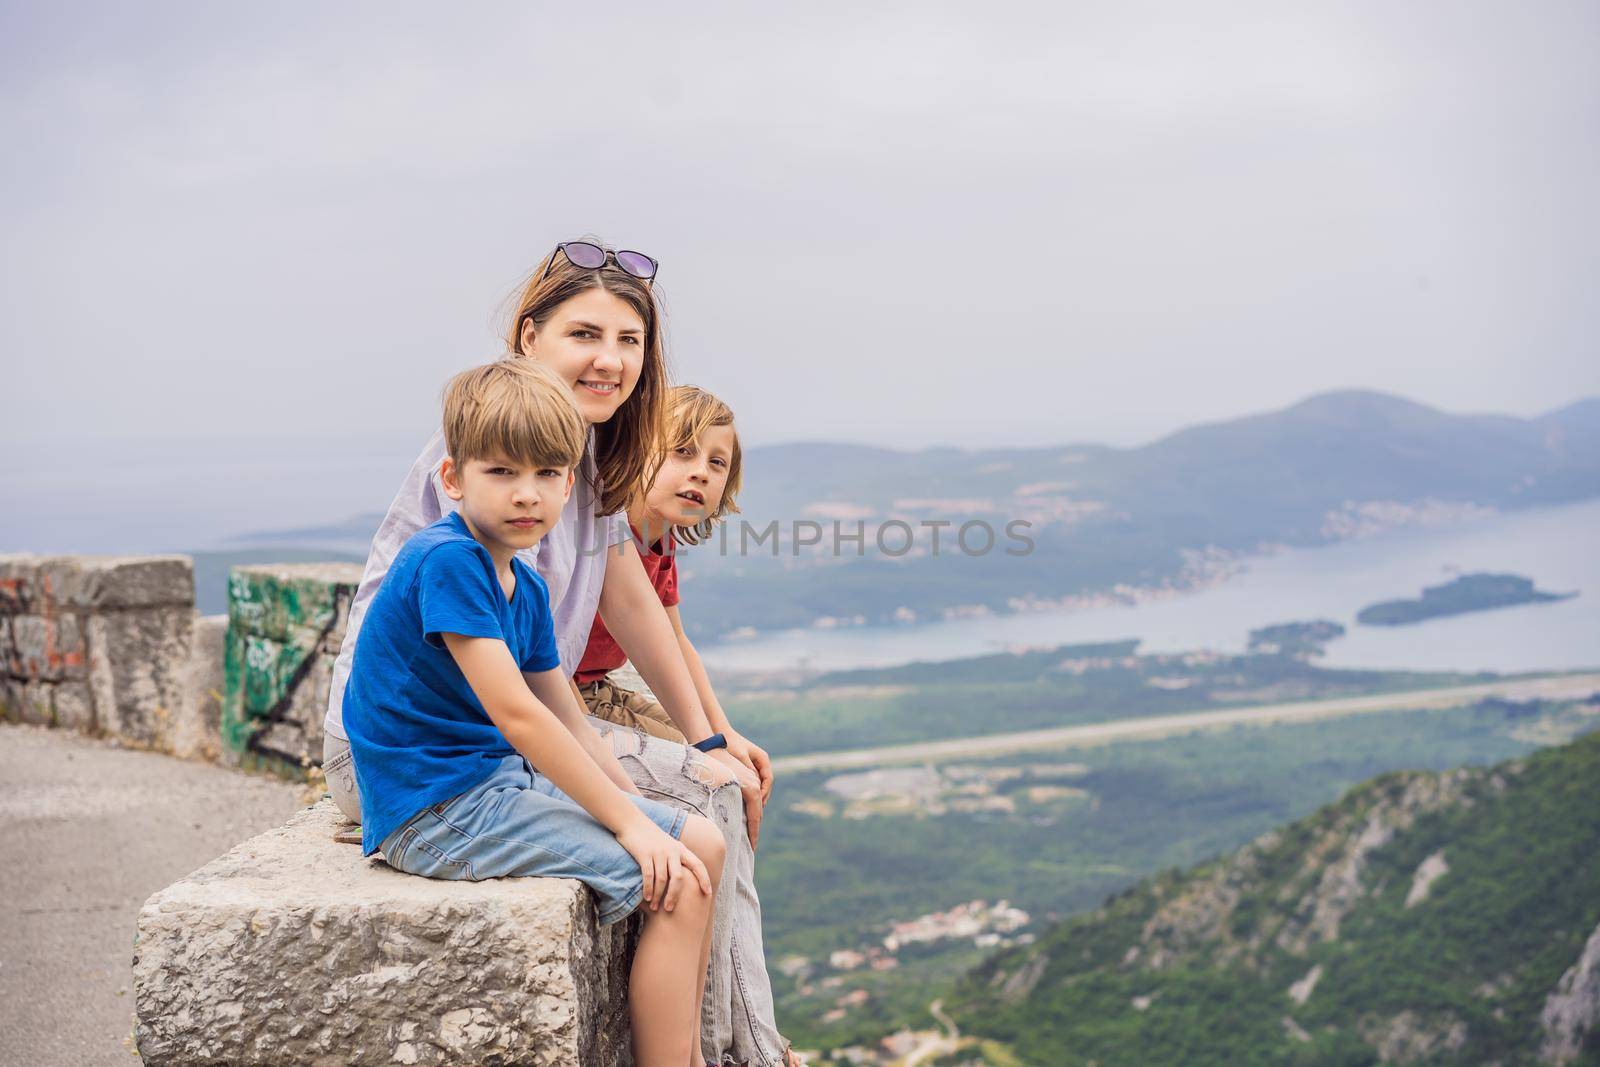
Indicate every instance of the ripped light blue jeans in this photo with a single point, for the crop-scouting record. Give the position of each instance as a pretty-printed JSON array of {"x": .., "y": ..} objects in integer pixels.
[{"x": 737, "y": 1020}]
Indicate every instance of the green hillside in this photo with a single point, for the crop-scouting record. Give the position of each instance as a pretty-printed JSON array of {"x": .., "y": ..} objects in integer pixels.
[{"x": 1441, "y": 918}]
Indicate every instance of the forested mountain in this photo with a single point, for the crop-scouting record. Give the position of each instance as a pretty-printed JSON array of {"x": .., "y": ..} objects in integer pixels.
[{"x": 1432, "y": 918}]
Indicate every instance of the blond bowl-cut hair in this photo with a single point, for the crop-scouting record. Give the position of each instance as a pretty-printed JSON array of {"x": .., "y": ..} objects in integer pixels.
[
  {"x": 514, "y": 409},
  {"x": 691, "y": 411}
]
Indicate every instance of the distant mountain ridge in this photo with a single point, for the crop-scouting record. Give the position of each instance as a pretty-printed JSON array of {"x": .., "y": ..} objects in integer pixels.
[
  {"x": 1423, "y": 918},
  {"x": 1170, "y": 512},
  {"x": 1351, "y": 444}
]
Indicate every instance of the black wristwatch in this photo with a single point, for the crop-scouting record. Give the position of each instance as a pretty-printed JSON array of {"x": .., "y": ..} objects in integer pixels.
[{"x": 714, "y": 741}]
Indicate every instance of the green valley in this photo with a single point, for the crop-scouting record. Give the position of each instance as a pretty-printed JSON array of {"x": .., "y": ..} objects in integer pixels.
[{"x": 881, "y": 886}]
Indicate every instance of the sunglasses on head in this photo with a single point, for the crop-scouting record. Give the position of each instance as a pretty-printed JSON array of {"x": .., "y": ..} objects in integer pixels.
[{"x": 593, "y": 257}]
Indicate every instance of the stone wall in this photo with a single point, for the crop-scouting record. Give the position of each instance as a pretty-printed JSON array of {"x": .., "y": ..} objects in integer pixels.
[
  {"x": 108, "y": 645},
  {"x": 285, "y": 624},
  {"x": 111, "y": 646}
]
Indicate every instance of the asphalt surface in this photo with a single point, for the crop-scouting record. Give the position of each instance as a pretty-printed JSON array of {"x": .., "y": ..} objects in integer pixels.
[{"x": 94, "y": 830}]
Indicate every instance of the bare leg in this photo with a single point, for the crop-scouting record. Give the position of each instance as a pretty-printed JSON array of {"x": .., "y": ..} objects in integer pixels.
[
  {"x": 703, "y": 1058},
  {"x": 663, "y": 989},
  {"x": 718, "y": 848},
  {"x": 660, "y": 986},
  {"x": 736, "y": 1015}
]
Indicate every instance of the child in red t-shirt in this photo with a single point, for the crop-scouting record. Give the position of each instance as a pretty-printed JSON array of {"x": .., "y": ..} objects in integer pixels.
[{"x": 695, "y": 487}]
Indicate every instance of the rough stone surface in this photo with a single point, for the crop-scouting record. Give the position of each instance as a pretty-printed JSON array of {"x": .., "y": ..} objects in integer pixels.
[
  {"x": 1300, "y": 991},
  {"x": 117, "y": 582},
  {"x": 1414, "y": 1037},
  {"x": 29, "y": 583},
  {"x": 285, "y": 624},
  {"x": 1428, "y": 872},
  {"x": 19, "y": 582},
  {"x": 139, "y": 672},
  {"x": 282, "y": 600},
  {"x": 197, "y": 733},
  {"x": 10, "y": 698},
  {"x": 74, "y": 707},
  {"x": 34, "y": 703},
  {"x": 100, "y": 644},
  {"x": 49, "y": 647},
  {"x": 1572, "y": 1011},
  {"x": 292, "y": 948}
]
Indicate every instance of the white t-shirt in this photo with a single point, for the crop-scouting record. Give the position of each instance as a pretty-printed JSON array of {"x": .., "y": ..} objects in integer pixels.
[{"x": 571, "y": 559}]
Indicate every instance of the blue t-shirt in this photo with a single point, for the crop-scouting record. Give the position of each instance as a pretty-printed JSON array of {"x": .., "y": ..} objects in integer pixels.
[{"x": 418, "y": 733}]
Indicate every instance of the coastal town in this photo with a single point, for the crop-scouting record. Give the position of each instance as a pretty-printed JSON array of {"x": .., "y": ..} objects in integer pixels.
[{"x": 987, "y": 926}]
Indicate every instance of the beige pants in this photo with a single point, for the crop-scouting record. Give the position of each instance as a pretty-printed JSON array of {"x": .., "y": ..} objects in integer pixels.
[{"x": 609, "y": 701}]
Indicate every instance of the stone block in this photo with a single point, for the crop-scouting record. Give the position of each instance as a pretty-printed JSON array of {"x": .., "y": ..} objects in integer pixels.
[
  {"x": 292, "y": 948},
  {"x": 49, "y": 647},
  {"x": 275, "y": 698},
  {"x": 285, "y": 625},
  {"x": 294, "y": 603},
  {"x": 19, "y": 582},
  {"x": 139, "y": 668},
  {"x": 293, "y": 732},
  {"x": 74, "y": 707},
  {"x": 197, "y": 733},
  {"x": 92, "y": 583},
  {"x": 10, "y": 698},
  {"x": 35, "y": 702},
  {"x": 31, "y": 584}
]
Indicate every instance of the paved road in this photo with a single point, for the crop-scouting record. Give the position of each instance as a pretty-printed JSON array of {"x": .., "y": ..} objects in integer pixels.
[
  {"x": 1153, "y": 726},
  {"x": 937, "y": 1045},
  {"x": 93, "y": 831}
]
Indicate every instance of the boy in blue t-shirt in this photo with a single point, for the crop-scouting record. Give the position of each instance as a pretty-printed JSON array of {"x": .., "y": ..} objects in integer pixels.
[{"x": 473, "y": 757}]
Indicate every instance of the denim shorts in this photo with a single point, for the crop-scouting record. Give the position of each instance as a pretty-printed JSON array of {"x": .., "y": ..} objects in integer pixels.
[{"x": 517, "y": 823}]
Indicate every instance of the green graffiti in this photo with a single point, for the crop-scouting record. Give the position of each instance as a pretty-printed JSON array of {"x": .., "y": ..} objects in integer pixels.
[
  {"x": 276, "y": 624},
  {"x": 283, "y": 608}
]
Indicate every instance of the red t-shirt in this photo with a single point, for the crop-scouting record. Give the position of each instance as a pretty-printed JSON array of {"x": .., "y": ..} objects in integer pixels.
[{"x": 603, "y": 655}]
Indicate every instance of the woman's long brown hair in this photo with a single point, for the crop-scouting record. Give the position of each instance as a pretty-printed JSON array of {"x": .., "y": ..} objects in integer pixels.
[{"x": 626, "y": 445}]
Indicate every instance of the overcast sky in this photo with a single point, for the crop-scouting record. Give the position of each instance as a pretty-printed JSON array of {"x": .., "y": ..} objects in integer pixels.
[{"x": 981, "y": 224}]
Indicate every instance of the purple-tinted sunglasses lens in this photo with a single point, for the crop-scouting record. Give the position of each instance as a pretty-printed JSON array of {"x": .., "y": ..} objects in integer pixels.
[
  {"x": 637, "y": 264},
  {"x": 593, "y": 257},
  {"x": 583, "y": 254}
]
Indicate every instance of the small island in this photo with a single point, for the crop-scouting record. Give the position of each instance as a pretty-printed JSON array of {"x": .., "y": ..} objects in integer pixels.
[
  {"x": 1302, "y": 640},
  {"x": 1469, "y": 592}
]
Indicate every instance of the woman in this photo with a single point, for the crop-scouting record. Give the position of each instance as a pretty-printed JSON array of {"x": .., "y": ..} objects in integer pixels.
[{"x": 590, "y": 316}]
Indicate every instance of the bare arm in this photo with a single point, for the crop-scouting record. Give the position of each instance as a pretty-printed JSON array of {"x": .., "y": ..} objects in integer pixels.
[
  {"x": 546, "y": 741},
  {"x": 697, "y": 672},
  {"x": 633, "y": 613},
  {"x": 540, "y": 734},
  {"x": 560, "y": 694},
  {"x": 744, "y": 750}
]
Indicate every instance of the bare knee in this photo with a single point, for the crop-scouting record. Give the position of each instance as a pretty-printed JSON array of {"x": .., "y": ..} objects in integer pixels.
[{"x": 703, "y": 838}]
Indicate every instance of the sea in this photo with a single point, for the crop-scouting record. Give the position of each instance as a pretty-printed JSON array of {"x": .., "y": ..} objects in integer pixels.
[{"x": 1558, "y": 547}]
